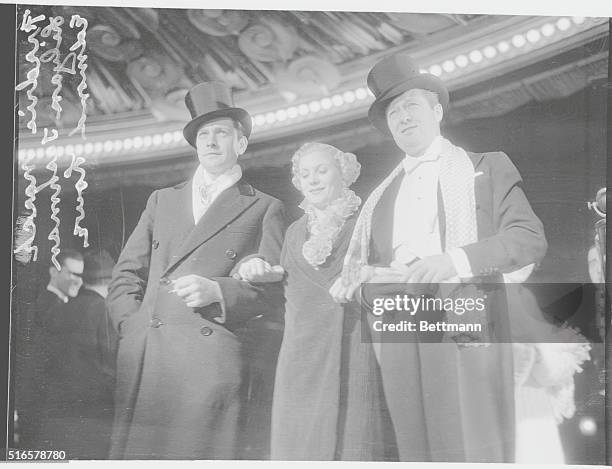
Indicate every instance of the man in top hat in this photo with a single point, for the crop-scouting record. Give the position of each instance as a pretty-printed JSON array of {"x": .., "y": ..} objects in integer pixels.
[
  {"x": 443, "y": 215},
  {"x": 175, "y": 303}
]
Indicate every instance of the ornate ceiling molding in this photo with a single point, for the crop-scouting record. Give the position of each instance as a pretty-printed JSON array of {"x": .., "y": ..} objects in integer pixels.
[{"x": 486, "y": 52}]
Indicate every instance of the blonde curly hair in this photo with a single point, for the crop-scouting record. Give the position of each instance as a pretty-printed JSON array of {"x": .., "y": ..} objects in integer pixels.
[{"x": 347, "y": 162}]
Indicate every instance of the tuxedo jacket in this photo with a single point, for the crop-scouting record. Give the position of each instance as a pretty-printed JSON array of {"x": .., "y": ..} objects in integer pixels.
[
  {"x": 178, "y": 368},
  {"x": 449, "y": 403},
  {"x": 510, "y": 235}
]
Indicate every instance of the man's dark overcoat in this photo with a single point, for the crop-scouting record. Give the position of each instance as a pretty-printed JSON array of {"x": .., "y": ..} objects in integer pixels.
[
  {"x": 32, "y": 370},
  {"x": 179, "y": 370},
  {"x": 80, "y": 349}
]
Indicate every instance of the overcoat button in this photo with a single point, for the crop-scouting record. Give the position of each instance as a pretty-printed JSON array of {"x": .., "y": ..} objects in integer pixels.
[
  {"x": 206, "y": 331},
  {"x": 164, "y": 281},
  {"x": 156, "y": 322},
  {"x": 155, "y": 244},
  {"x": 231, "y": 254}
]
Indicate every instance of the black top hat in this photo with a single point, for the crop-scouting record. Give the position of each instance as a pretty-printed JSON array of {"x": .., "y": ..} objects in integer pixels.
[
  {"x": 393, "y": 76},
  {"x": 212, "y": 100}
]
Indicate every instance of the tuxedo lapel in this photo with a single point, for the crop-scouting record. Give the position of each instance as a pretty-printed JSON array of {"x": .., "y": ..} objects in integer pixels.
[
  {"x": 226, "y": 207},
  {"x": 382, "y": 222}
]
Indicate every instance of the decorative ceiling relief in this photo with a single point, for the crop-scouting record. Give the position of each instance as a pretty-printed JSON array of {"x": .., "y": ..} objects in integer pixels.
[
  {"x": 171, "y": 107},
  {"x": 218, "y": 22},
  {"x": 308, "y": 76},
  {"x": 307, "y": 67},
  {"x": 66, "y": 11},
  {"x": 156, "y": 73},
  {"x": 268, "y": 41},
  {"x": 106, "y": 42},
  {"x": 146, "y": 17},
  {"x": 47, "y": 116},
  {"x": 135, "y": 54},
  {"x": 124, "y": 24},
  {"x": 420, "y": 24}
]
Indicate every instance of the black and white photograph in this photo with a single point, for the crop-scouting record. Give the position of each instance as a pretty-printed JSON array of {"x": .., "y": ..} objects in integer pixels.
[{"x": 309, "y": 235}]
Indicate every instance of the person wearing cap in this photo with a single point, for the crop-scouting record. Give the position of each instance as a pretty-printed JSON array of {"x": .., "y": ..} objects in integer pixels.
[
  {"x": 175, "y": 300},
  {"x": 442, "y": 215},
  {"x": 81, "y": 365}
]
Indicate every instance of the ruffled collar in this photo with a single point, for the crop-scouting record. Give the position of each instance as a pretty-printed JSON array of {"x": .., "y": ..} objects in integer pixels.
[{"x": 324, "y": 226}]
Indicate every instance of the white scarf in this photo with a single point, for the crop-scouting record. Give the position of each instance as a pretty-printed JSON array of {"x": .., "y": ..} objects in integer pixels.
[{"x": 457, "y": 186}]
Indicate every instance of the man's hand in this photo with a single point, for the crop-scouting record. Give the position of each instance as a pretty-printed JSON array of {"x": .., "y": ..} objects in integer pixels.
[
  {"x": 258, "y": 270},
  {"x": 197, "y": 291},
  {"x": 431, "y": 269}
]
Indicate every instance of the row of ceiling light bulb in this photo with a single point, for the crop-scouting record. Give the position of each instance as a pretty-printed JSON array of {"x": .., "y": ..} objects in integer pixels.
[
  {"x": 316, "y": 106},
  {"x": 108, "y": 146},
  {"x": 449, "y": 66},
  {"x": 175, "y": 138},
  {"x": 310, "y": 110},
  {"x": 515, "y": 43}
]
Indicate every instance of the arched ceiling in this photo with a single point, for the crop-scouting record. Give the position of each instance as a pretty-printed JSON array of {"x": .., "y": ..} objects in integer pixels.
[{"x": 294, "y": 71}]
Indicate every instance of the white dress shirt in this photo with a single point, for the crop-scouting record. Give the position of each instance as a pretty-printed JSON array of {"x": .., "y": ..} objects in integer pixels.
[
  {"x": 416, "y": 227},
  {"x": 206, "y": 188}
]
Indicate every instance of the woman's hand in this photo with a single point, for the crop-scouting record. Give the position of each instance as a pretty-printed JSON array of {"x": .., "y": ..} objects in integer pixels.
[
  {"x": 342, "y": 293},
  {"x": 258, "y": 270},
  {"x": 395, "y": 273}
]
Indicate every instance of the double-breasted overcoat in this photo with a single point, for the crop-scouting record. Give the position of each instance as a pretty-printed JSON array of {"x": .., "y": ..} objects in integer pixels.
[{"x": 179, "y": 369}]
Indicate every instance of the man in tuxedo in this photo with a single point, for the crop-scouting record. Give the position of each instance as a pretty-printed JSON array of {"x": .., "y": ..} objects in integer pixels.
[
  {"x": 175, "y": 303},
  {"x": 443, "y": 215}
]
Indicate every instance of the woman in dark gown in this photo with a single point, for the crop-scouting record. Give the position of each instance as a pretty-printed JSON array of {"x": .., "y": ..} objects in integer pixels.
[{"x": 327, "y": 402}]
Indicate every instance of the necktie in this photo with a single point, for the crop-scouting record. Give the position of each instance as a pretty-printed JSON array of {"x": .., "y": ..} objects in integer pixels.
[{"x": 206, "y": 192}]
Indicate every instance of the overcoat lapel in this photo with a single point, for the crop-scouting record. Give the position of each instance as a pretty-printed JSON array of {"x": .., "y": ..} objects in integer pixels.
[
  {"x": 181, "y": 211},
  {"x": 229, "y": 205}
]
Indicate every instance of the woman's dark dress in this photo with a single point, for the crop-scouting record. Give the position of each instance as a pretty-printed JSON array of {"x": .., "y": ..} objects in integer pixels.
[{"x": 327, "y": 401}]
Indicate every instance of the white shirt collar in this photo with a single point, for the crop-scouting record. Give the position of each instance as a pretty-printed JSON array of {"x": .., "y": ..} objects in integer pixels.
[
  {"x": 61, "y": 295},
  {"x": 227, "y": 179},
  {"x": 431, "y": 154},
  {"x": 213, "y": 187}
]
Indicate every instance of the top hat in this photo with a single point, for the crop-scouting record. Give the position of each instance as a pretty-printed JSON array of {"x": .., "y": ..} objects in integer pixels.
[
  {"x": 212, "y": 100},
  {"x": 393, "y": 76}
]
